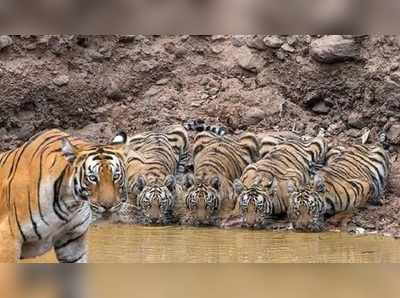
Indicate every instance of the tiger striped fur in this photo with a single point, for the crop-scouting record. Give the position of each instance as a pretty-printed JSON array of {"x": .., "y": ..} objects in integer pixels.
[
  {"x": 154, "y": 161},
  {"x": 218, "y": 160},
  {"x": 353, "y": 176},
  {"x": 49, "y": 188},
  {"x": 262, "y": 188}
]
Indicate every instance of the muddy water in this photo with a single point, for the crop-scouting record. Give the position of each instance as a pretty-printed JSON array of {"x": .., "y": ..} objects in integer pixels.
[{"x": 136, "y": 244}]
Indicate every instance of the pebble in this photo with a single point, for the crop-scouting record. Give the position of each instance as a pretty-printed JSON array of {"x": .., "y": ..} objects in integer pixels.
[
  {"x": 251, "y": 62},
  {"x": 288, "y": 48},
  {"x": 61, "y": 80},
  {"x": 321, "y": 108},
  {"x": 253, "y": 116},
  {"x": 333, "y": 48},
  {"x": 273, "y": 41},
  {"x": 356, "y": 120},
  {"x": 5, "y": 41}
]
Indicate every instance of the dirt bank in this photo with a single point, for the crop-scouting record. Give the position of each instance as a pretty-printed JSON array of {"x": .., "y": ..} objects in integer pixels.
[{"x": 95, "y": 85}]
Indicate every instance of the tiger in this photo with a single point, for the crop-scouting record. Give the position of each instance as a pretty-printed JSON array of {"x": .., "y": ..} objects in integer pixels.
[
  {"x": 262, "y": 188},
  {"x": 218, "y": 161},
  {"x": 155, "y": 161},
  {"x": 354, "y": 176},
  {"x": 50, "y": 186}
]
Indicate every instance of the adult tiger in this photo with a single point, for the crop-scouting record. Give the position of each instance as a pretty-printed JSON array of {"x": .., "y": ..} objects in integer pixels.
[
  {"x": 49, "y": 186},
  {"x": 155, "y": 159},
  {"x": 262, "y": 188},
  {"x": 218, "y": 160},
  {"x": 354, "y": 175}
]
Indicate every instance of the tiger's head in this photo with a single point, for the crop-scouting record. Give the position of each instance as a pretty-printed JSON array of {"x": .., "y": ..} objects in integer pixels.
[
  {"x": 202, "y": 199},
  {"x": 155, "y": 200},
  {"x": 98, "y": 174},
  {"x": 255, "y": 203},
  {"x": 307, "y": 205}
]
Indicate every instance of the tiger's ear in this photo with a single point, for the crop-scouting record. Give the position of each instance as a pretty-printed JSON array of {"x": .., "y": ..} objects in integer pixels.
[
  {"x": 215, "y": 183},
  {"x": 140, "y": 182},
  {"x": 238, "y": 186},
  {"x": 170, "y": 182},
  {"x": 68, "y": 150},
  {"x": 319, "y": 184},
  {"x": 188, "y": 181},
  {"x": 121, "y": 139}
]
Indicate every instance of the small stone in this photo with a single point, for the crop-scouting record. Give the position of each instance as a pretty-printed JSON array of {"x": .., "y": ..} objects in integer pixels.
[
  {"x": 288, "y": 48},
  {"x": 256, "y": 43},
  {"x": 95, "y": 55},
  {"x": 31, "y": 46},
  {"x": 321, "y": 108},
  {"x": 273, "y": 41},
  {"x": 152, "y": 91},
  {"x": 213, "y": 91},
  {"x": 356, "y": 120},
  {"x": 218, "y": 37},
  {"x": 127, "y": 38},
  {"x": 280, "y": 55},
  {"x": 251, "y": 62},
  {"x": 238, "y": 40},
  {"x": 394, "y": 66},
  {"x": 333, "y": 48},
  {"x": 5, "y": 41},
  {"x": 313, "y": 98},
  {"x": 395, "y": 76},
  {"x": 113, "y": 90},
  {"x": 61, "y": 80},
  {"x": 393, "y": 134},
  {"x": 253, "y": 116},
  {"x": 163, "y": 81}
]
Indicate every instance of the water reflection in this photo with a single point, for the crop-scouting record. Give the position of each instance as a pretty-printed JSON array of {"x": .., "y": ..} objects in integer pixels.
[{"x": 137, "y": 244}]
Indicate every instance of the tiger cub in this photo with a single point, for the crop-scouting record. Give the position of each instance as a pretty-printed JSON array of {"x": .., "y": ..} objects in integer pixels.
[
  {"x": 353, "y": 176},
  {"x": 262, "y": 188},
  {"x": 50, "y": 187},
  {"x": 154, "y": 161},
  {"x": 218, "y": 161}
]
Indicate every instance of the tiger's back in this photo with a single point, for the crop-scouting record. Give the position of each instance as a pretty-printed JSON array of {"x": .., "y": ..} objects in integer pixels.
[
  {"x": 218, "y": 160},
  {"x": 354, "y": 176}
]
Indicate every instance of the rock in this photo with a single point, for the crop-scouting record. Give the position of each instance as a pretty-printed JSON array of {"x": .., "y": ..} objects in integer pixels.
[
  {"x": 238, "y": 40},
  {"x": 256, "y": 43},
  {"x": 113, "y": 90},
  {"x": 273, "y": 41},
  {"x": 95, "y": 55},
  {"x": 313, "y": 98},
  {"x": 152, "y": 91},
  {"x": 394, "y": 66},
  {"x": 280, "y": 55},
  {"x": 5, "y": 41},
  {"x": 251, "y": 62},
  {"x": 288, "y": 48},
  {"x": 61, "y": 80},
  {"x": 356, "y": 120},
  {"x": 163, "y": 81},
  {"x": 253, "y": 116},
  {"x": 218, "y": 37},
  {"x": 333, "y": 48},
  {"x": 393, "y": 135},
  {"x": 127, "y": 38},
  {"x": 321, "y": 108}
]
